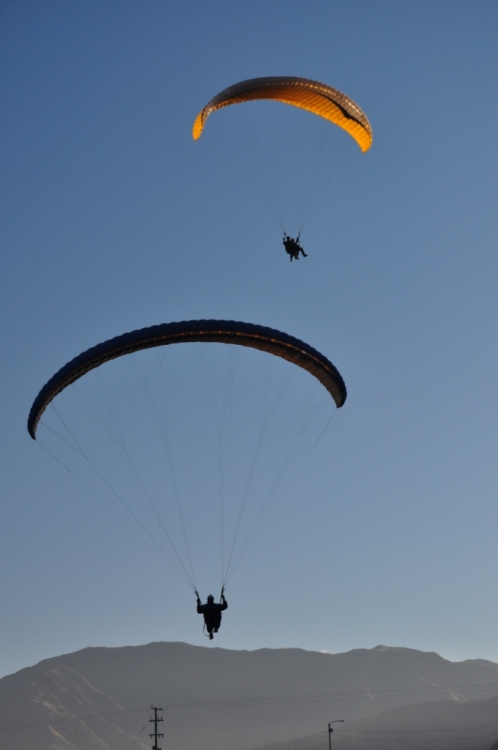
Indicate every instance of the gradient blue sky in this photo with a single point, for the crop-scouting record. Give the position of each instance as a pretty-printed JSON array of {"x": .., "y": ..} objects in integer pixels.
[{"x": 111, "y": 219}]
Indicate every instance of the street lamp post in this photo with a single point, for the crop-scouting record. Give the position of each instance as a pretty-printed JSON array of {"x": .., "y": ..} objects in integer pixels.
[{"x": 336, "y": 721}]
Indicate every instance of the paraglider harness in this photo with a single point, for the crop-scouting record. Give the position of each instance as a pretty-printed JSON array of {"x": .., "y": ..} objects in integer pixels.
[
  {"x": 204, "y": 633},
  {"x": 292, "y": 247}
]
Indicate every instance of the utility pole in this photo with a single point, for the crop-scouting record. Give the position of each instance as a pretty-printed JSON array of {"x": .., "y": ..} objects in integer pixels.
[
  {"x": 156, "y": 721},
  {"x": 336, "y": 721}
]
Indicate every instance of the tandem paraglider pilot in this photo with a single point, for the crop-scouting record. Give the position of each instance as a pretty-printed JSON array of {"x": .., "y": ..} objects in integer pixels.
[
  {"x": 293, "y": 248},
  {"x": 212, "y": 613}
]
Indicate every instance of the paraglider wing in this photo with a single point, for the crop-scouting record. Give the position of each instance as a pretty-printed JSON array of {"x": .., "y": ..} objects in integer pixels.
[
  {"x": 313, "y": 96},
  {"x": 220, "y": 331}
]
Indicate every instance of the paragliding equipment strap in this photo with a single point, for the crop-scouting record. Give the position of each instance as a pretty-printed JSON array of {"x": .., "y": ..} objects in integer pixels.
[
  {"x": 206, "y": 635},
  {"x": 288, "y": 237},
  {"x": 222, "y": 592}
]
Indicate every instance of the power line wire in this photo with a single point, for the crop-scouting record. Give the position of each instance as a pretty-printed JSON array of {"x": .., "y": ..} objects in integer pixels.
[{"x": 276, "y": 700}]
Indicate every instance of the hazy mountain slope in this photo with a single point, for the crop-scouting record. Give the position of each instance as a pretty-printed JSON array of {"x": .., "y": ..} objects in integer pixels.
[
  {"x": 447, "y": 725},
  {"x": 48, "y": 703},
  {"x": 219, "y": 698}
]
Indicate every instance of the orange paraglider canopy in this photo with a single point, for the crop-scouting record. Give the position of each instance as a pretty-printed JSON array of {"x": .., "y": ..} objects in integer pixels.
[{"x": 312, "y": 96}]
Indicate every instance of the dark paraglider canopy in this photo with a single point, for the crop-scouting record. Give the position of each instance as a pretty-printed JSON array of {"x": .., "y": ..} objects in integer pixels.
[
  {"x": 219, "y": 331},
  {"x": 191, "y": 447}
]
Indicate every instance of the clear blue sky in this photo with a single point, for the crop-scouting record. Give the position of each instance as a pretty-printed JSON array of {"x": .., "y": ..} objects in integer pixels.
[{"x": 113, "y": 219}]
